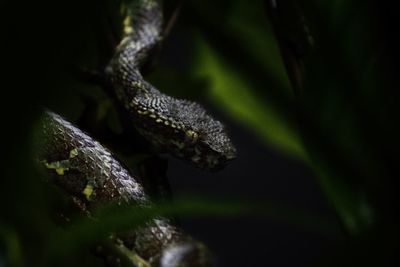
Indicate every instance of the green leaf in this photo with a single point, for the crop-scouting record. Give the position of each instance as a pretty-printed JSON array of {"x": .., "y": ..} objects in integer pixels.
[
  {"x": 113, "y": 218},
  {"x": 233, "y": 94},
  {"x": 13, "y": 251}
]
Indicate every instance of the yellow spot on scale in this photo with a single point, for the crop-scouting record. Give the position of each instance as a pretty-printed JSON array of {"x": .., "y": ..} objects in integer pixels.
[
  {"x": 153, "y": 116},
  {"x": 60, "y": 171},
  {"x": 192, "y": 134},
  {"x": 88, "y": 191},
  {"x": 158, "y": 120},
  {"x": 127, "y": 27},
  {"x": 57, "y": 166},
  {"x": 73, "y": 153}
]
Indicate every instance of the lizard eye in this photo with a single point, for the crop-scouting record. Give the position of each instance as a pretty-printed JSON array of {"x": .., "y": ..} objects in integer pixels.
[{"x": 192, "y": 136}]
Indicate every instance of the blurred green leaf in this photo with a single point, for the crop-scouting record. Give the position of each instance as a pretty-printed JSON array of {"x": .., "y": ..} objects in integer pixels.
[
  {"x": 114, "y": 218},
  {"x": 340, "y": 125},
  {"x": 13, "y": 253},
  {"x": 232, "y": 93},
  {"x": 250, "y": 25},
  {"x": 350, "y": 203},
  {"x": 231, "y": 56}
]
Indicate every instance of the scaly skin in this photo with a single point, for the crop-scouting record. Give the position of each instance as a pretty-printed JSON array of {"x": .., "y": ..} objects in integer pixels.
[
  {"x": 90, "y": 173},
  {"x": 180, "y": 127}
]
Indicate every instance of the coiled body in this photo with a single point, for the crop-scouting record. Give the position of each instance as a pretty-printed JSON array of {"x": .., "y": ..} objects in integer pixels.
[
  {"x": 180, "y": 127},
  {"x": 89, "y": 172}
]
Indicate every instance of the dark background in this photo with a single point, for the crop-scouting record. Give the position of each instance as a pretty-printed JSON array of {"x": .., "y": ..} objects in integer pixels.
[
  {"x": 350, "y": 131},
  {"x": 258, "y": 175}
]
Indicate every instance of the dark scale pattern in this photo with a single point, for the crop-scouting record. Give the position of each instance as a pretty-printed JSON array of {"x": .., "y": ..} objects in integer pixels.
[
  {"x": 79, "y": 163},
  {"x": 72, "y": 150},
  {"x": 180, "y": 127}
]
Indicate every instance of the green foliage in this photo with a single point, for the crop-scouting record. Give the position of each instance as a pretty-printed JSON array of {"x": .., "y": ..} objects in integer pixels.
[
  {"x": 233, "y": 94},
  {"x": 341, "y": 125}
]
